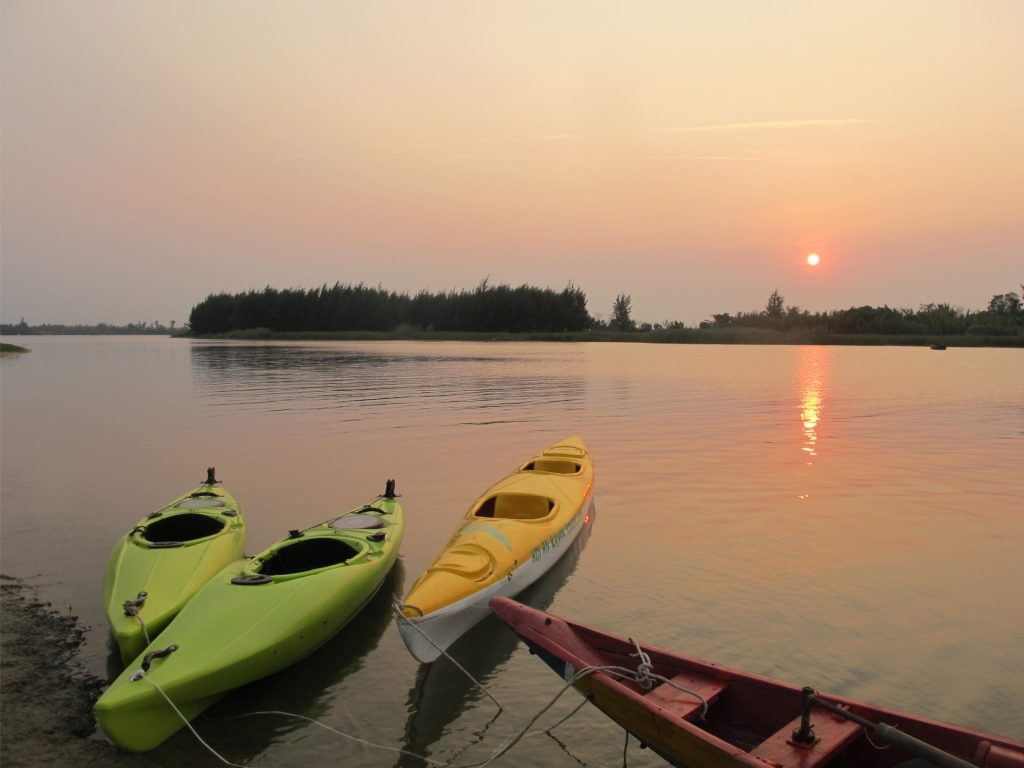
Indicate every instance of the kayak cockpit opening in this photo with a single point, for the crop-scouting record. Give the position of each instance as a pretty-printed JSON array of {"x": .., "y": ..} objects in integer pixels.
[
  {"x": 556, "y": 466},
  {"x": 179, "y": 528},
  {"x": 515, "y": 506},
  {"x": 302, "y": 555}
]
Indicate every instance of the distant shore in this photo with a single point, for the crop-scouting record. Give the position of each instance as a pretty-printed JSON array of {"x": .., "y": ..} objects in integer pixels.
[{"x": 663, "y": 336}]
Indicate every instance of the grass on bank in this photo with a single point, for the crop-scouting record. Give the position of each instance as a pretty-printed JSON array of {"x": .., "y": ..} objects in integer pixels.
[
  {"x": 11, "y": 349},
  {"x": 661, "y": 336}
]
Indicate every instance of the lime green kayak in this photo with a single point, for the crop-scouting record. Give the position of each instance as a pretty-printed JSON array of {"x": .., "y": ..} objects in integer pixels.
[
  {"x": 165, "y": 559},
  {"x": 255, "y": 617}
]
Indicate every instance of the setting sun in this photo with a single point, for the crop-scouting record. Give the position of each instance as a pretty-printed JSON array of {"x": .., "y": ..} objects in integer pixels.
[{"x": 813, "y": 259}]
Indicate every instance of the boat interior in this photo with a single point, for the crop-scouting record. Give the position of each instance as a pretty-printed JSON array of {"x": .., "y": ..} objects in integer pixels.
[
  {"x": 307, "y": 555},
  {"x": 515, "y": 506},
  {"x": 762, "y": 719},
  {"x": 181, "y": 528},
  {"x": 555, "y": 466}
]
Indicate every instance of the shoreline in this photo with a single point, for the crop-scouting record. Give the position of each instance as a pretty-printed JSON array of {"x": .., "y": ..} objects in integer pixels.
[
  {"x": 703, "y": 336},
  {"x": 46, "y": 708},
  {"x": 699, "y": 336}
]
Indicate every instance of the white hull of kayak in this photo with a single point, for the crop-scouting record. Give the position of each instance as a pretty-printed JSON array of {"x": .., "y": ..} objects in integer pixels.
[{"x": 427, "y": 636}]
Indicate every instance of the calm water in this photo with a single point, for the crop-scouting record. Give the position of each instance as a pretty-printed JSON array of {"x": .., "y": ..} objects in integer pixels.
[{"x": 847, "y": 518}]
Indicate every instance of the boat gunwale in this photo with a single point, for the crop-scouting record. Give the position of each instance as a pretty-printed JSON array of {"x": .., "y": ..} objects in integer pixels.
[{"x": 585, "y": 636}]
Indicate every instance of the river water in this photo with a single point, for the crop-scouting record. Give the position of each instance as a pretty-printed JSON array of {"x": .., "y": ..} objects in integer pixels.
[{"x": 850, "y": 518}]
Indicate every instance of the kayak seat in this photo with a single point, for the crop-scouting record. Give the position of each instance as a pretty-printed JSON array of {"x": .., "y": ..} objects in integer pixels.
[
  {"x": 556, "y": 466},
  {"x": 834, "y": 734},
  {"x": 306, "y": 555},
  {"x": 515, "y": 506},
  {"x": 186, "y": 527},
  {"x": 682, "y": 704}
]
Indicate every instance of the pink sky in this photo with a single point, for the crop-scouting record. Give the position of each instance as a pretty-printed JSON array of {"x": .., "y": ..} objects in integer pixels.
[{"x": 690, "y": 154}]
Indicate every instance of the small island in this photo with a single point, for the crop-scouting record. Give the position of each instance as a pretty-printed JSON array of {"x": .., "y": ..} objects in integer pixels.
[{"x": 11, "y": 349}]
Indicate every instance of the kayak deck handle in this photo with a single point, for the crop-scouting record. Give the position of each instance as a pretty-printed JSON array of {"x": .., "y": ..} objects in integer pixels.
[{"x": 147, "y": 660}]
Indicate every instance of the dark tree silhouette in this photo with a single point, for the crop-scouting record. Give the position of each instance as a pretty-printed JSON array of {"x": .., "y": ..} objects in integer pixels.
[
  {"x": 621, "y": 319},
  {"x": 488, "y": 308}
]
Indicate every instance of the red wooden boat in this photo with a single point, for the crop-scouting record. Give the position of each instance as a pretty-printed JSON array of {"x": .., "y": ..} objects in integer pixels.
[{"x": 702, "y": 715}]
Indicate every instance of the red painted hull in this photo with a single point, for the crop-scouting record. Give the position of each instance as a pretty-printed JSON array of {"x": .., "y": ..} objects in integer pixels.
[{"x": 750, "y": 719}]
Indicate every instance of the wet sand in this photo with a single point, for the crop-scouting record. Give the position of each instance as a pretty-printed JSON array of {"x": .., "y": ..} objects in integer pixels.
[{"x": 47, "y": 696}]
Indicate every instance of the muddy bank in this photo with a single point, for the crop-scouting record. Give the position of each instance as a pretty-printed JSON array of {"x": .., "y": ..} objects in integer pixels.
[{"x": 46, "y": 707}]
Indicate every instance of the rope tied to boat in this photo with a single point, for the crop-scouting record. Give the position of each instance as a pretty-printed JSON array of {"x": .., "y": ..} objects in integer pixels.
[
  {"x": 131, "y": 608},
  {"x": 398, "y": 606},
  {"x": 141, "y": 675},
  {"x": 644, "y": 668}
]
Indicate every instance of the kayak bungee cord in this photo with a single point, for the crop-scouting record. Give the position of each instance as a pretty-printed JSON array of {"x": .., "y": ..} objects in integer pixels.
[{"x": 402, "y": 617}]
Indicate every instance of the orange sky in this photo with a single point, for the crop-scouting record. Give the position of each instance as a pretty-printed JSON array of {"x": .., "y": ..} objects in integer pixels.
[{"x": 689, "y": 154}]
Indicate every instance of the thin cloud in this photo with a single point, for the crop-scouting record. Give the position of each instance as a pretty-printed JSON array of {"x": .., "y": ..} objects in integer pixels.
[
  {"x": 773, "y": 125},
  {"x": 528, "y": 139}
]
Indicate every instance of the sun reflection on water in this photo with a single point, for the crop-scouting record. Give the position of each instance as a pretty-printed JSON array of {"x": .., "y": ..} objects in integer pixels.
[{"x": 812, "y": 378}]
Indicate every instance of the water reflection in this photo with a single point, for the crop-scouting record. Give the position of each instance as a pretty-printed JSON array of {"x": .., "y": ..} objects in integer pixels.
[
  {"x": 474, "y": 388},
  {"x": 442, "y": 692},
  {"x": 812, "y": 378}
]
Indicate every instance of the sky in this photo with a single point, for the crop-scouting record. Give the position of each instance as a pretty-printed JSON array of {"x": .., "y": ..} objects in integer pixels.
[{"x": 687, "y": 154}]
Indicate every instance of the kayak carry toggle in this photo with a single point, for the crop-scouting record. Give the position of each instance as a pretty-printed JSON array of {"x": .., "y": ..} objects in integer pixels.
[
  {"x": 131, "y": 607},
  {"x": 147, "y": 660}
]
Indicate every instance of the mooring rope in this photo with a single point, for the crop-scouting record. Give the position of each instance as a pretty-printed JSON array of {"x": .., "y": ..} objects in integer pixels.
[
  {"x": 402, "y": 617},
  {"x": 642, "y": 673},
  {"x": 340, "y": 733},
  {"x": 644, "y": 667},
  {"x": 131, "y": 608},
  {"x": 145, "y": 632},
  {"x": 141, "y": 675}
]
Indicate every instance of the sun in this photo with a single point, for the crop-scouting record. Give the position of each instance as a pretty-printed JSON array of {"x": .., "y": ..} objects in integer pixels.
[{"x": 813, "y": 259}]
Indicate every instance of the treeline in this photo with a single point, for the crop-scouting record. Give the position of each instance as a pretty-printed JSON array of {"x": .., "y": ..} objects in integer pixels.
[
  {"x": 156, "y": 328},
  {"x": 1004, "y": 316},
  {"x": 343, "y": 307}
]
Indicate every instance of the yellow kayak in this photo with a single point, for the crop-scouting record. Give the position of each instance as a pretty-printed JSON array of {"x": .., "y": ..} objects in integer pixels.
[{"x": 509, "y": 538}]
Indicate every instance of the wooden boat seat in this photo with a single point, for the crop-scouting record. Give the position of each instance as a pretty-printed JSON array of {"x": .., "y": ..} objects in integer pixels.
[
  {"x": 682, "y": 704},
  {"x": 834, "y": 733}
]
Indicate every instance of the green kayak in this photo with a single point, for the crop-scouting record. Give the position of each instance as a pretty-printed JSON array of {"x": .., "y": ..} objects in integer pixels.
[
  {"x": 165, "y": 559},
  {"x": 255, "y": 617}
]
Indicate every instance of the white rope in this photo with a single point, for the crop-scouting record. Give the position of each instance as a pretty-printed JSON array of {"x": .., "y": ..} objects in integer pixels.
[
  {"x": 340, "y": 733},
  {"x": 145, "y": 632},
  {"x": 623, "y": 673},
  {"x": 640, "y": 675},
  {"x": 644, "y": 667},
  {"x": 402, "y": 617},
  {"x": 141, "y": 675},
  {"x": 577, "y": 709}
]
